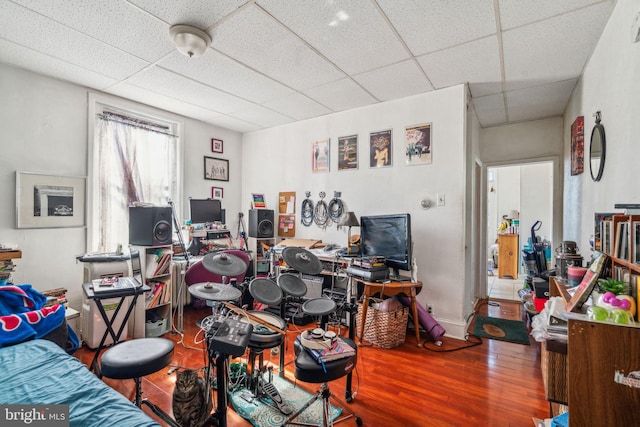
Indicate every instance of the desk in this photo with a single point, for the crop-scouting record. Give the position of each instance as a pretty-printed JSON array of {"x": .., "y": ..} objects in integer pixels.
[
  {"x": 124, "y": 293},
  {"x": 410, "y": 289}
]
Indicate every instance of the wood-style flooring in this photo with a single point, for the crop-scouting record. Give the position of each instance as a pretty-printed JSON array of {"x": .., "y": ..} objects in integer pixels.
[{"x": 492, "y": 384}]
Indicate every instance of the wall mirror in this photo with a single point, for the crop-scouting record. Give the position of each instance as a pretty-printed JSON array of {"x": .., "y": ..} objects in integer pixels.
[{"x": 597, "y": 149}]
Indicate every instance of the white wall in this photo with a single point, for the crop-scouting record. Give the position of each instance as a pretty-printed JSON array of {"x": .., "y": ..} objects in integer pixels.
[
  {"x": 280, "y": 160},
  {"x": 44, "y": 123},
  {"x": 610, "y": 84}
]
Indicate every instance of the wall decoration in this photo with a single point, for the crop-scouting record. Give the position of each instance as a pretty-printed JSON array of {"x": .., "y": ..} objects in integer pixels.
[
  {"x": 216, "y": 169},
  {"x": 286, "y": 225},
  {"x": 577, "y": 146},
  {"x": 348, "y": 152},
  {"x": 417, "y": 141},
  {"x": 287, "y": 202},
  {"x": 217, "y": 192},
  {"x": 49, "y": 201},
  {"x": 380, "y": 148},
  {"x": 217, "y": 145},
  {"x": 320, "y": 153},
  {"x": 258, "y": 202}
]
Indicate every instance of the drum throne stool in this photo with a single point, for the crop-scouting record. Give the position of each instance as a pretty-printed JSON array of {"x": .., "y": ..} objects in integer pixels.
[
  {"x": 135, "y": 359},
  {"x": 309, "y": 371}
]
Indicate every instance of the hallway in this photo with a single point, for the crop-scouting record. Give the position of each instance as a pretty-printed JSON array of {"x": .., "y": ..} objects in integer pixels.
[{"x": 505, "y": 288}]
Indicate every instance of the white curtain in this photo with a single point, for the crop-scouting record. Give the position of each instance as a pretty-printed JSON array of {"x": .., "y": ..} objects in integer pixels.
[{"x": 136, "y": 163}]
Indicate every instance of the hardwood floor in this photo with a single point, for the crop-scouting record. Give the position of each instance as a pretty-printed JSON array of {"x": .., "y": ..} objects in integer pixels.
[{"x": 493, "y": 384}]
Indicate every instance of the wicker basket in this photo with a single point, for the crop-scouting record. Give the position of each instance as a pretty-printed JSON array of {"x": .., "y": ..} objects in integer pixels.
[{"x": 386, "y": 329}]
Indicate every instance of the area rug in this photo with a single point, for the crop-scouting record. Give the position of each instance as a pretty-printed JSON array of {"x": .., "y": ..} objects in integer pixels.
[
  {"x": 262, "y": 414},
  {"x": 501, "y": 329}
]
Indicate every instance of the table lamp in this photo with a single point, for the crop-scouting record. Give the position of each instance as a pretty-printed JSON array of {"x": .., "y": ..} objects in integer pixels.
[{"x": 349, "y": 220}]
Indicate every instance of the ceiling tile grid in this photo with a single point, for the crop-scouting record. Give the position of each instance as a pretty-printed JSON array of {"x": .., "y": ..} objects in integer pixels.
[{"x": 274, "y": 61}]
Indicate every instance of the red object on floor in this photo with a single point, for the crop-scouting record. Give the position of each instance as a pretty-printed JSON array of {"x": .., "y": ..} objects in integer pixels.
[{"x": 539, "y": 303}]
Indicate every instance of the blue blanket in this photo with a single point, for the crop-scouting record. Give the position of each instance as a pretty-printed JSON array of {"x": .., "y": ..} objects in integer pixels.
[{"x": 23, "y": 316}]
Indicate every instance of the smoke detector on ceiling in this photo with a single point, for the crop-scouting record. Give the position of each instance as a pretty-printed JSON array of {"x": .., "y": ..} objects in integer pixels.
[{"x": 190, "y": 41}]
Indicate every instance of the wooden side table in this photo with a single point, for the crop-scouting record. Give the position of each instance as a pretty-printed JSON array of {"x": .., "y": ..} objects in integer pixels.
[{"x": 410, "y": 289}]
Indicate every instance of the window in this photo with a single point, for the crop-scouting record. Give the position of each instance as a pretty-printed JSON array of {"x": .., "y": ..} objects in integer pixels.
[{"x": 134, "y": 158}]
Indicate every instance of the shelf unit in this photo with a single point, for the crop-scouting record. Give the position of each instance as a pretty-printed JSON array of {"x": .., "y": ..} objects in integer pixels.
[
  {"x": 508, "y": 255},
  {"x": 156, "y": 262},
  {"x": 620, "y": 235},
  {"x": 260, "y": 258}
]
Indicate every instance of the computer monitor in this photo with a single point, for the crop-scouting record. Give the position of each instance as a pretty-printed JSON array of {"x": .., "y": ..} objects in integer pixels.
[
  {"x": 205, "y": 211},
  {"x": 388, "y": 236}
]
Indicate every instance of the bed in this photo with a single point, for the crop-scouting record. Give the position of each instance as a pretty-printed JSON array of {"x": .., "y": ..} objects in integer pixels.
[{"x": 41, "y": 372}]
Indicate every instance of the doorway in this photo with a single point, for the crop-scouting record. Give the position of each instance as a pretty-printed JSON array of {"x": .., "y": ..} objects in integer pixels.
[{"x": 518, "y": 195}]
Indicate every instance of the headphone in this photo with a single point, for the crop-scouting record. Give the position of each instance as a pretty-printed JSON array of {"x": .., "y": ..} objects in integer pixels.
[{"x": 318, "y": 339}]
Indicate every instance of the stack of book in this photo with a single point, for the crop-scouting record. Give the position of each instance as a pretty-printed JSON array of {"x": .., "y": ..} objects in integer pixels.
[
  {"x": 6, "y": 268},
  {"x": 56, "y": 296},
  {"x": 369, "y": 262},
  {"x": 160, "y": 294},
  {"x": 159, "y": 264},
  {"x": 338, "y": 350}
]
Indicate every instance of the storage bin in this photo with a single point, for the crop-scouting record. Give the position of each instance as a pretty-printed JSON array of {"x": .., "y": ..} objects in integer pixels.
[
  {"x": 155, "y": 328},
  {"x": 386, "y": 329}
]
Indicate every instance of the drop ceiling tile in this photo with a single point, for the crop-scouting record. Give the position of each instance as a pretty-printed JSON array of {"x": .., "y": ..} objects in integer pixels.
[
  {"x": 327, "y": 26},
  {"x": 430, "y": 25},
  {"x": 218, "y": 70},
  {"x": 539, "y": 102},
  {"x": 474, "y": 62},
  {"x": 175, "y": 86},
  {"x": 341, "y": 95},
  {"x": 262, "y": 116},
  {"x": 490, "y": 110},
  {"x": 11, "y": 53},
  {"x": 251, "y": 37},
  {"x": 514, "y": 13},
  {"x": 395, "y": 81},
  {"x": 199, "y": 13},
  {"x": 552, "y": 50},
  {"x": 54, "y": 39},
  {"x": 298, "y": 106},
  {"x": 116, "y": 23},
  {"x": 145, "y": 96},
  {"x": 232, "y": 123}
]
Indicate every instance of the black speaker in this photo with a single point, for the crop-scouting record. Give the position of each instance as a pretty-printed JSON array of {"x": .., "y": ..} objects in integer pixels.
[
  {"x": 261, "y": 223},
  {"x": 150, "y": 225}
]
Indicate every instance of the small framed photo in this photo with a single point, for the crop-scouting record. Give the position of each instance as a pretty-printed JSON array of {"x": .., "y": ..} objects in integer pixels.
[
  {"x": 217, "y": 145},
  {"x": 216, "y": 169},
  {"x": 49, "y": 201},
  {"x": 217, "y": 192}
]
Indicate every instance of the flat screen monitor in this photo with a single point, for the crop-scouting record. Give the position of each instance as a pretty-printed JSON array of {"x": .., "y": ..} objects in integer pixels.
[
  {"x": 205, "y": 210},
  {"x": 388, "y": 236}
]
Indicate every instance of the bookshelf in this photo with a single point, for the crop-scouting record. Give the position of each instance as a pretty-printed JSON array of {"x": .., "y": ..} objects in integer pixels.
[
  {"x": 620, "y": 240},
  {"x": 156, "y": 264}
]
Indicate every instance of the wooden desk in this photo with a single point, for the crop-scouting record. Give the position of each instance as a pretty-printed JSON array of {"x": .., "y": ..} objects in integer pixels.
[{"x": 410, "y": 289}]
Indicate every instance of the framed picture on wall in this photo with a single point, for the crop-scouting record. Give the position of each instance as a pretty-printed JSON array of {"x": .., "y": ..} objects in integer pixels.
[
  {"x": 217, "y": 145},
  {"x": 577, "y": 146},
  {"x": 380, "y": 149},
  {"x": 49, "y": 201},
  {"x": 217, "y": 192},
  {"x": 320, "y": 156},
  {"x": 348, "y": 152},
  {"x": 216, "y": 169},
  {"x": 417, "y": 140}
]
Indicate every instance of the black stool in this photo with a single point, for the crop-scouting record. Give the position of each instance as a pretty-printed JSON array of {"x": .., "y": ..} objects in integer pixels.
[
  {"x": 310, "y": 371},
  {"x": 135, "y": 359}
]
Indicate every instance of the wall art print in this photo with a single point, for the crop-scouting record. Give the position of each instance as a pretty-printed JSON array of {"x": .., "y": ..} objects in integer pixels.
[
  {"x": 418, "y": 144},
  {"x": 577, "y": 146},
  {"x": 380, "y": 148}
]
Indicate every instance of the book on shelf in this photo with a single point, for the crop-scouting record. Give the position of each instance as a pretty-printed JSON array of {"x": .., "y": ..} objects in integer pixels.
[
  {"x": 153, "y": 298},
  {"x": 158, "y": 263},
  {"x": 338, "y": 350}
]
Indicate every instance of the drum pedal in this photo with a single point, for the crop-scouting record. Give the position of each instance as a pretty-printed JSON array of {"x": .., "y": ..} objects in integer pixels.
[{"x": 272, "y": 392}]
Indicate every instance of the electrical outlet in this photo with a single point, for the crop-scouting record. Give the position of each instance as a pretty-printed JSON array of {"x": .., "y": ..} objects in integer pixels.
[
  {"x": 440, "y": 199},
  {"x": 429, "y": 309}
]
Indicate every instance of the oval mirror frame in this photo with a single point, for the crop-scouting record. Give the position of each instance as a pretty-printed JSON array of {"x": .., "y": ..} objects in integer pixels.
[{"x": 597, "y": 150}]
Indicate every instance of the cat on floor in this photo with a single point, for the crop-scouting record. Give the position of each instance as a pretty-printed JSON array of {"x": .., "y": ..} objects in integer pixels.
[{"x": 191, "y": 401}]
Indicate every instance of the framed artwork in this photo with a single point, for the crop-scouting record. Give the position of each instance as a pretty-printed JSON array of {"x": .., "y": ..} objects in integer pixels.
[
  {"x": 417, "y": 140},
  {"x": 380, "y": 148},
  {"x": 217, "y": 145},
  {"x": 583, "y": 290},
  {"x": 217, "y": 192},
  {"x": 320, "y": 156},
  {"x": 348, "y": 152},
  {"x": 216, "y": 169},
  {"x": 577, "y": 146},
  {"x": 49, "y": 201},
  {"x": 258, "y": 201}
]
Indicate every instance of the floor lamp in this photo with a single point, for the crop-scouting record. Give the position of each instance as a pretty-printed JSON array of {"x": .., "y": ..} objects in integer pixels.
[{"x": 349, "y": 220}]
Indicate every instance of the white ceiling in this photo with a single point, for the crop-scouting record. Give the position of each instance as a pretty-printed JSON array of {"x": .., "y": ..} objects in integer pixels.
[{"x": 273, "y": 62}]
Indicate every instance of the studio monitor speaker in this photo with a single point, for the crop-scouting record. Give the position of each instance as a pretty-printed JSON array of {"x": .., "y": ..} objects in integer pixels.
[
  {"x": 150, "y": 225},
  {"x": 261, "y": 223}
]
